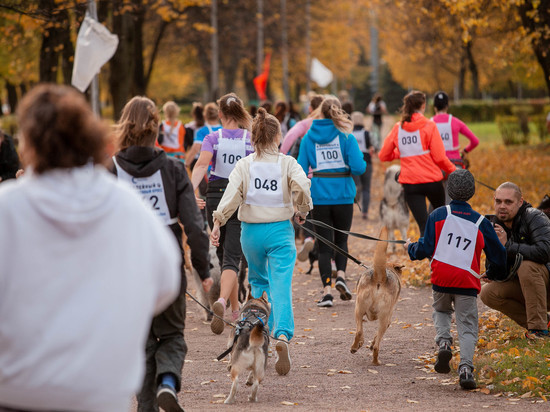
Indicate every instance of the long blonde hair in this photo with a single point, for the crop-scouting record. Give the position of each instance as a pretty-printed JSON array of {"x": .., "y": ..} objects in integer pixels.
[
  {"x": 139, "y": 123},
  {"x": 171, "y": 111},
  {"x": 266, "y": 131},
  {"x": 331, "y": 108}
]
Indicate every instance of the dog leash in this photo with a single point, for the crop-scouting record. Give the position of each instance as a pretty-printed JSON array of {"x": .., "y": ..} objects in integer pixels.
[
  {"x": 359, "y": 235},
  {"x": 486, "y": 185},
  {"x": 333, "y": 246},
  {"x": 222, "y": 319}
]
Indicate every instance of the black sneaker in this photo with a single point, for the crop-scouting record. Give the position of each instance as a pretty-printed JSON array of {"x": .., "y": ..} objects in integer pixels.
[
  {"x": 466, "y": 378},
  {"x": 326, "y": 302},
  {"x": 345, "y": 293},
  {"x": 443, "y": 358},
  {"x": 168, "y": 399}
]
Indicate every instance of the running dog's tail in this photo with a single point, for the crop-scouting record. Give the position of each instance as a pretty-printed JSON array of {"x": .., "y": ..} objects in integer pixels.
[
  {"x": 380, "y": 257},
  {"x": 257, "y": 338}
]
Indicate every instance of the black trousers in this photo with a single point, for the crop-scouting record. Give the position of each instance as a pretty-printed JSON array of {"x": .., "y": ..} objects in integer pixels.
[
  {"x": 415, "y": 196},
  {"x": 340, "y": 217}
]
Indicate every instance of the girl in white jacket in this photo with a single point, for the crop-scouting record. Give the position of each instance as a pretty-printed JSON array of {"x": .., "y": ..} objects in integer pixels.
[{"x": 265, "y": 184}]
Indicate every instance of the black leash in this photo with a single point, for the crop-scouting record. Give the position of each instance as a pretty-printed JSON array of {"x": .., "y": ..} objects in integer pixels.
[
  {"x": 487, "y": 186},
  {"x": 209, "y": 310},
  {"x": 333, "y": 246},
  {"x": 359, "y": 235}
]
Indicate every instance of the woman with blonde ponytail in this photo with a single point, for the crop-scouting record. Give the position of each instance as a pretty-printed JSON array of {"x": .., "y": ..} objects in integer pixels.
[
  {"x": 172, "y": 132},
  {"x": 331, "y": 151},
  {"x": 417, "y": 142},
  {"x": 223, "y": 148},
  {"x": 261, "y": 187}
]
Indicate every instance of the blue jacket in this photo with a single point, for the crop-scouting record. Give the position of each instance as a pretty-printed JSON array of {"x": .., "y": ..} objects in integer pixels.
[
  {"x": 331, "y": 190},
  {"x": 451, "y": 279}
]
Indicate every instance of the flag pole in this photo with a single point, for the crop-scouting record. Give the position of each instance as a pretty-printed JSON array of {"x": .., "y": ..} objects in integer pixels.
[{"x": 92, "y": 10}]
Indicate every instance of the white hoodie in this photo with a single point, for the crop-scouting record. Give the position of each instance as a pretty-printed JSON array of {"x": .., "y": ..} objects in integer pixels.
[{"x": 84, "y": 265}]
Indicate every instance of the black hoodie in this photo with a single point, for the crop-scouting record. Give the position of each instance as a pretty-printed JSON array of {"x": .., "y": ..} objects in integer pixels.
[{"x": 141, "y": 161}]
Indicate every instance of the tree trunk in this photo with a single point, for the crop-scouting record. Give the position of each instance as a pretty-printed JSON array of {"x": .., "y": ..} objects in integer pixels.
[
  {"x": 473, "y": 70},
  {"x": 139, "y": 85},
  {"x": 122, "y": 63},
  {"x": 154, "y": 53},
  {"x": 462, "y": 75},
  {"x": 12, "y": 96},
  {"x": 537, "y": 21},
  {"x": 48, "y": 54}
]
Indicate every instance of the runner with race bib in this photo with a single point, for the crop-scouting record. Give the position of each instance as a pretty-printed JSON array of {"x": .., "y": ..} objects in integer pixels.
[
  {"x": 331, "y": 152},
  {"x": 223, "y": 149},
  {"x": 416, "y": 141},
  {"x": 454, "y": 238},
  {"x": 263, "y": 187},
  {"x": 163, "y": 183}
]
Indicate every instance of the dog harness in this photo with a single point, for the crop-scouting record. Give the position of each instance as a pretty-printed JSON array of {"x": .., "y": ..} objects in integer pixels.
[{"x": 248, "y": 320}]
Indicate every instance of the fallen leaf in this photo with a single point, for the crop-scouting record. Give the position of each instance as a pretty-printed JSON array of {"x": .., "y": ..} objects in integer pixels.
[
  {"x": 311, "y": 386},
  {"x": 286, "y": 403},
  {"x": 373, "y": 371},
  {"x": 390, "y": 364},
  {"x": 345, "y": 387},
  {"x": 485, "y": 391},
  {"x": 345, "y": 372},
  {"x": 219, "y": 395},
  {"x": 305, "y": 366},
  {"x": 526, "y": 395},
  {"x": 411, "y": 401}
]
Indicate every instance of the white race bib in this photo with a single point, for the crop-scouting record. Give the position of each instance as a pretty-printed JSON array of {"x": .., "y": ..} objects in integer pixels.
[
  {"x": 446, "y": 132},
  {"x": 171, "y": 135},
  {"x": 361, "y": 141},
  {"x": 457, "y": 242},
  {"x": 410, "y": 143},
  {"x": 329, "y": 155},
  {"x": 229, "y": 152},
  {"x": 265, "y": 187},
  {"x": 151, "y": 189}
]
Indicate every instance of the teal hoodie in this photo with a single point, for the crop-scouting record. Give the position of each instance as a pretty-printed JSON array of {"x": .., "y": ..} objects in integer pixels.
[{"x": 335, "y": 151}]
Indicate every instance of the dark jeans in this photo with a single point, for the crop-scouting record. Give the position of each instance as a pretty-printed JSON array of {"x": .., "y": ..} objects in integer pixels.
[
  {"x": 165, "y": 350},
  {"x": 415, "y": 196},
  {"x": 229, "y": 252},
  {"x": 340, "y": 217},
  {"x": 364, "y": 181}
]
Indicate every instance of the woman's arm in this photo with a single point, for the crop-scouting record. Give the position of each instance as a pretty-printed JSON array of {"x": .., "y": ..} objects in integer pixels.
[
  {"x": 387, "y": 152},
  {"x": 192, "y": 152},
  {"x": 200, "y": 169}
]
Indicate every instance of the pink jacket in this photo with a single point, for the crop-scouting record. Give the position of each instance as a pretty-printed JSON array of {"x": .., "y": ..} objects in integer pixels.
[
  {"x": 299, "y": 130},
  {"x": 457, "y": 126}
]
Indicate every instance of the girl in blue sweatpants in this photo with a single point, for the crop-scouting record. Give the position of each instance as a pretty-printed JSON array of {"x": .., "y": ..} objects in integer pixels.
[{"x": 267, "y": 187}]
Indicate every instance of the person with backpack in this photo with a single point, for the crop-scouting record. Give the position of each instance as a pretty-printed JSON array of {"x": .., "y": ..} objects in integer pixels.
[{"x": 163, "y": 182}]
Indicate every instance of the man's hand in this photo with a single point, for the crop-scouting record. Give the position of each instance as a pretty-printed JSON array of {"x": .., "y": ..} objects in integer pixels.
[
  {"x": 300, "y": 217},
  {"x": 407, "y": 243},
  {"x": 501, "y": 233},
  {"x": 485, "y": 279},
  {"x": 207, "y": 284}
]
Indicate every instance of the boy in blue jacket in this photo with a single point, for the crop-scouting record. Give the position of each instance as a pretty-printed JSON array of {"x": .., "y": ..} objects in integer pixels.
[{"x": 454, "y": 237}]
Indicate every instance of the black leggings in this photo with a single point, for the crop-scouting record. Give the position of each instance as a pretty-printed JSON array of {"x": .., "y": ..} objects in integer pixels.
[
  {"x": 229, "y": 252},
  {"x": 415, "y": 196},
  {"x": 340, "y": 217}
]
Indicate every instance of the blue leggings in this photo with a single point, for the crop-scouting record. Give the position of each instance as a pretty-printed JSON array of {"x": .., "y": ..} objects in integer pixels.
[{"x": 270, "y": 251}]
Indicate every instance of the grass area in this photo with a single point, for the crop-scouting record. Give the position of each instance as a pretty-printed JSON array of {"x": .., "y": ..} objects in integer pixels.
[
  {"x": 509, "y": 364},
  {"x": 487, "y": 132}
]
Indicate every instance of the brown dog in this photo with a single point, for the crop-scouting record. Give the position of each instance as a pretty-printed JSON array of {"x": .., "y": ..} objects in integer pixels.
[
  {"x": 250, "y": 340},
  {"x": 377, "y": 293}
]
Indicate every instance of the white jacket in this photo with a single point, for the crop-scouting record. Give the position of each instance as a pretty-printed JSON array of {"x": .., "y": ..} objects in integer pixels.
[
  {"x": 84, "y": 265},
  {"x": 296, "y": 190}
]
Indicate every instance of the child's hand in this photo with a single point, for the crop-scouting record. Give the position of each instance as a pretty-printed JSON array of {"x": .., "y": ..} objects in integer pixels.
[
  {"x": 207, "y": 284},
  {"x": 215, "y": 234},
  {"x": 200, "y": 202},
  {"x": 300, "y": 218}
]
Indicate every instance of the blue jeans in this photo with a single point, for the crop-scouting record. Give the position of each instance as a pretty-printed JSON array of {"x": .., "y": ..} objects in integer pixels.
[{"x": 270, "y": 251}]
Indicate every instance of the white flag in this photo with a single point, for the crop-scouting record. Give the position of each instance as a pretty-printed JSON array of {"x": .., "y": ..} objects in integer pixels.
[
  {"x": 95, "y": 45},
  {"x": 320, "y": 74}
]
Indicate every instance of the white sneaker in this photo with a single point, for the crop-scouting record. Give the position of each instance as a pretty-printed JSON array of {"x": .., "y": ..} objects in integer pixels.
[
  {"x": 307, "y": 247},
  {"x": 282, "y": 366}
]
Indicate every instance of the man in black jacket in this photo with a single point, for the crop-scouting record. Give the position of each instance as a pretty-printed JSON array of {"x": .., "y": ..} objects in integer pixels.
[{"x": 524, "y": 230}]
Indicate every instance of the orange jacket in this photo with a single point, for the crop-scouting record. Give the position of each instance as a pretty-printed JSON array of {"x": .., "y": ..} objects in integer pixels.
[{"x": 422, "y": 168}]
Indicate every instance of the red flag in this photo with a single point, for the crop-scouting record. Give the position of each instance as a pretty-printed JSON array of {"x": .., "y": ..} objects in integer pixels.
[{"x": 260, "y": 82}]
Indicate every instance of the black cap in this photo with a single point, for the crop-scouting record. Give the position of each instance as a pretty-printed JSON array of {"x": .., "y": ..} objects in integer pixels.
[
  {"x": 441, "y": 100},
  {"x": 461, "y": 185}
]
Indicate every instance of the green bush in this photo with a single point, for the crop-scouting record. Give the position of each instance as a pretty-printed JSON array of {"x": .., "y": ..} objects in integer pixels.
[
  {"x": 539, "y": 121},
  {"x": 487, "y": 110},
  {"x": 512, "y": 131}
]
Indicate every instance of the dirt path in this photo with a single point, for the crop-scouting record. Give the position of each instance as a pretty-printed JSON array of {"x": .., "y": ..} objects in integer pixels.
[{"x": 325, "y": 375}]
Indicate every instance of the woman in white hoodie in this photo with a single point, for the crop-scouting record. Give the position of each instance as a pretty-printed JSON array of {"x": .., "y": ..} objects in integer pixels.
[{"x": 84, "y": 265}]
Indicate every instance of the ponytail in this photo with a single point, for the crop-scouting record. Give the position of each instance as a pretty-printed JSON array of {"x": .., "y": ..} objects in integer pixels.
[
  {"x": 331, "y": 108},
  {"x": 171, "y": 110},
  {"x": 232, "y": 107},
  {"x": 412, "y": 103},
  {"x": 266, "y": 130}
]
